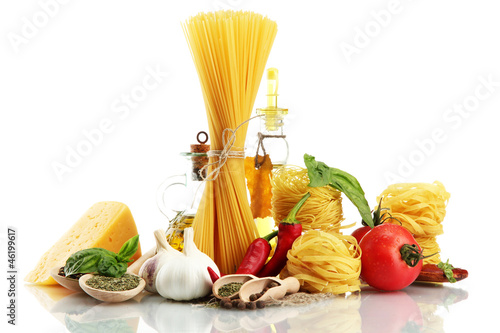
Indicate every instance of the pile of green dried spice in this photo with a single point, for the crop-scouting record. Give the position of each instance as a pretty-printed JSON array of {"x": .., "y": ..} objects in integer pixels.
[
  {"x": 126, "y": 282},
  {"x": 229, "y": 288}
]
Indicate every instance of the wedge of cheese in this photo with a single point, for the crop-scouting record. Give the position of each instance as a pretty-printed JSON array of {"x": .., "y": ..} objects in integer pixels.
[{"x": 106, "y": 224}]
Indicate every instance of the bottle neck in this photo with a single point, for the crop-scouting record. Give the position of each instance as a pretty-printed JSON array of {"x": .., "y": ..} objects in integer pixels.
[{"x": 272, "y": 124}]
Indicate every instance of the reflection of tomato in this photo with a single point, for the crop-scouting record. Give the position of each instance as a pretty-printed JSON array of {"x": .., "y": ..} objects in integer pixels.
[
  {"x": 389, "y": 312},
  {"x": 360, "y": 232},
  {"x": 383, "y": 264}
]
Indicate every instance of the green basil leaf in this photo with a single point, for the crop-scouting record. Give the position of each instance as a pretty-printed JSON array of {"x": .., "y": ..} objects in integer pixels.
[
  {"x": 447, "y": 269},
  {"x": 321, "y": 174},
  {"x": 82, "y": 264},
  {"x": 109, "y": 266},
  {"x": 318, "y": 172},
  {"x": 129, "y": 248},
  {"x": 85, "y": 261}
]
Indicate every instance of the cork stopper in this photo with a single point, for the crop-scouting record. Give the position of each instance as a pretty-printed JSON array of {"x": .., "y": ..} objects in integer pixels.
[
  {"x": 201, "y": 147},
  {"x": 199, "y": 156}
]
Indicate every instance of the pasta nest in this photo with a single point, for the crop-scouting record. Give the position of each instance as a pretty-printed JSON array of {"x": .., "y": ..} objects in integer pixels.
[
  {"x": 421, "y": 208},
  {"x": 322, "y": 210},
  {"x": 325, "y": 262}
]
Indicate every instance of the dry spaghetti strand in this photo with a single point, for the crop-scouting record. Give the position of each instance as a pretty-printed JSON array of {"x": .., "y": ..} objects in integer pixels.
[
  {"x": 421, "y": 208},
  {"x": 230, "y": 51}
]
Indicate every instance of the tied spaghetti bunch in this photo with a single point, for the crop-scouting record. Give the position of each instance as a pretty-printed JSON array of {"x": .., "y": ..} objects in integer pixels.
[{"x": 230, "y": 51}]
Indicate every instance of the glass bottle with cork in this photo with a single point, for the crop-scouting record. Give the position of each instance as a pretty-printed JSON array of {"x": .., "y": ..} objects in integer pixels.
[{"x": 179, "y": 196}]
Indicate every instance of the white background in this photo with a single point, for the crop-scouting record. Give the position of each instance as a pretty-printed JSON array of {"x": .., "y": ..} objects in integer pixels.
[{"x": 371, "y": 113}]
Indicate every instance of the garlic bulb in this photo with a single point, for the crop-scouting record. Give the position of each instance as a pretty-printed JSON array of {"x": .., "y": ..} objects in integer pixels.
[
  {"x": 185, "y": 277},
  {"x": 151, "y": 267}
]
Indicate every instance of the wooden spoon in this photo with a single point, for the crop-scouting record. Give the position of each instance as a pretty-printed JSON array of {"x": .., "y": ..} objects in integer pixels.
[
  {"x": 289, "y": 285},
  {"x": 69, "y": 283},
  {"x": 110, "y": 296},
  {"x": 240, "y": 278}
]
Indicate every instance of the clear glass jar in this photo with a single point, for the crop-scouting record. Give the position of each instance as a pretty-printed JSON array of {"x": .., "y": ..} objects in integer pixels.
[
  {"x": 271, "y": 138},
  {"x": 179, "y": 196}
]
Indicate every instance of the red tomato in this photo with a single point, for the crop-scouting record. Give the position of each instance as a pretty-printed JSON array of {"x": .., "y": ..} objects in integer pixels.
[
  {"x": 360, "y": 232},
  {"x": 382, "y": 263}
]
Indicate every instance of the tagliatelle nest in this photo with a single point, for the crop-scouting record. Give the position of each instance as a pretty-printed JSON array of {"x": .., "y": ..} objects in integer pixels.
[
  {"x": 323, "y": 209},
  {"x": 420, "y": 208},
  {"x": 325, "y": 262}
]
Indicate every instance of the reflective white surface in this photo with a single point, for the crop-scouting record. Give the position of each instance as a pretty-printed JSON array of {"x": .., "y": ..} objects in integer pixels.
[
  {"x": 370, "y": 116},
  {"x": 418, "y": 308}
]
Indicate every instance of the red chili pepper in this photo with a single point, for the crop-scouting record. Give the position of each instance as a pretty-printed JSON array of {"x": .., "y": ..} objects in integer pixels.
[
  {"x": 213, "y": 276},
  {"x": 288, "y": 231},
  {"x": 256, "y": 255}
]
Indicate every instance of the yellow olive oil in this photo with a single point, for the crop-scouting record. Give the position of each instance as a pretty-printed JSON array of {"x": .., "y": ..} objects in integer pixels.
[{"x": 175, "y": 234}]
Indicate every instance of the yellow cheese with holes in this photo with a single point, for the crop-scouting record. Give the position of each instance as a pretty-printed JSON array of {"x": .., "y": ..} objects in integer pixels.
[{"x": 106, "y": 224}]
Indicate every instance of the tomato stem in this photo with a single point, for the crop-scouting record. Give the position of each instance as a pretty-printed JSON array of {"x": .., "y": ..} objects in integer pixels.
[
  {"x": 379, "y": 218},
  {"x": 412, "y": 255}
]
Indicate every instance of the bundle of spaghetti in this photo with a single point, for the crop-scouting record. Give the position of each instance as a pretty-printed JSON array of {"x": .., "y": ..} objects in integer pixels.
[
  {"x": 323, "y": 209},
  {"x": 230, "y": 50},
  {"x": 325, "y": 262},
  {"x": 421, "y": 208}
]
